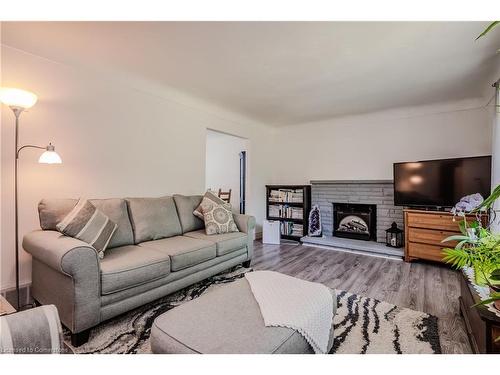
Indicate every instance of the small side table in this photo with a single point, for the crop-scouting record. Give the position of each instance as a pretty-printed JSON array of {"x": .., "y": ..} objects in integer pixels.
[{"x": 5, "y": 307}]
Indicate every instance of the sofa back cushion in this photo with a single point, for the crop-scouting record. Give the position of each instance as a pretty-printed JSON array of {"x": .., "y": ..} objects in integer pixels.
[
  {"x": 185, "y": 207},
  {"x": 153, "y": 218},
  {"x": 52, "y": 211}
]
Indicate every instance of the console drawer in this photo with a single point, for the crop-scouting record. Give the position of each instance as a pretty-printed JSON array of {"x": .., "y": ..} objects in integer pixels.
[
  {"x": 431, "y": 237},
  {"x": 424, "y": 251},
  {"x": 435, "y": 221}
]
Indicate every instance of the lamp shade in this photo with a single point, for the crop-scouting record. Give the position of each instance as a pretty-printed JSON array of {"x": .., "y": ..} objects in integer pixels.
[
  {"x": 17, "y": 98},
  {"x": 50, "y": 156}
]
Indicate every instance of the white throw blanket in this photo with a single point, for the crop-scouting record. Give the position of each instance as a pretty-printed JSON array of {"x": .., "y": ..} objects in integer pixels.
[{"x": 301, "y": 305}]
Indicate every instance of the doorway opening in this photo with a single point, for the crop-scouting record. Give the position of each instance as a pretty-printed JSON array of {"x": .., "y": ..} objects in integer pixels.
[{"x": 226, "y": 166}]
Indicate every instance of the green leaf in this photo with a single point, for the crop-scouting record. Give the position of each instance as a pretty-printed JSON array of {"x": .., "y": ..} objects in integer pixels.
[
  {"x": 488, "y": 202},
  {"x": 496, "y": 297},
  {"x": 463, "y": 227},
  {"x": 475, "y": 224},
  {"x": 483, "y": 233},
  {"x": 495, "y": 275},
  {"x": 457, "y": 258},
  {"x": 490, "y": 27},
  {"x": 457, "y": 237}
]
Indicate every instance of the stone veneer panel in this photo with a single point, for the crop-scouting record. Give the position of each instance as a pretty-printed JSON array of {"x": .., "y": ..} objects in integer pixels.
[{"x": 379, "y": 192}]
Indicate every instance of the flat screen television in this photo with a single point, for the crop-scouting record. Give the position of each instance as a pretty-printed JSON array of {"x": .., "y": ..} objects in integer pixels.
[{"x": 441, "y": 183}]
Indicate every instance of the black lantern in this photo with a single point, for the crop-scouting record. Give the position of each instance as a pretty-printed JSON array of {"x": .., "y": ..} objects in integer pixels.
[{"x": 394, "y": 236}]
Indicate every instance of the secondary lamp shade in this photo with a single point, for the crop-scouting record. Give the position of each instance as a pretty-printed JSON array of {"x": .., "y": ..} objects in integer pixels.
[
  {"x": 50, "y": 156},
  {"x": 17, "y": 98}
]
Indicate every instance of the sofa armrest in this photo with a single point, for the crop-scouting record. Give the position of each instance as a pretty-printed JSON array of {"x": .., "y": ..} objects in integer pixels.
[
  {"x": 245, "y": 223},
  {"x": 66, "y": 273},
  {"x": 62, "y": 253}
]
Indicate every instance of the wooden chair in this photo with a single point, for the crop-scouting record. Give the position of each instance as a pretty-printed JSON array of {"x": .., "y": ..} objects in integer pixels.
[{"x": 225, "y": 195}]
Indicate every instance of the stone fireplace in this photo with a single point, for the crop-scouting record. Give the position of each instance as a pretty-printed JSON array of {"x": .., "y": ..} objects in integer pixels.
[
  {"x": 377, "y": 193},
  {"x": 354, "y": 220}
]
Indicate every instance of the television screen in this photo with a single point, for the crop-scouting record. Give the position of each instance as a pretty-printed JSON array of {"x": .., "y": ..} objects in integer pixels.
[{"x": 441, "y": 182}]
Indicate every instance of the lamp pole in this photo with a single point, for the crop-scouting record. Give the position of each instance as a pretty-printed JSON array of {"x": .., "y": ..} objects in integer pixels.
[
  {"x": 17, "y": 112},
  {"x": 18, "y": 100}
]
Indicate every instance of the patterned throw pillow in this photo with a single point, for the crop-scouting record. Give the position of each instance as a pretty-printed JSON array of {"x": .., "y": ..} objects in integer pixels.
[
  {"x": 217, "y": 215},
  {"x": 213, "y": 196},
  {"x": 87, "y": 223}
]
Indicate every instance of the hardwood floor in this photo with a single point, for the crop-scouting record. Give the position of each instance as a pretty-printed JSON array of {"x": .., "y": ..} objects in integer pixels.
[{"x": 427, "y": 287}]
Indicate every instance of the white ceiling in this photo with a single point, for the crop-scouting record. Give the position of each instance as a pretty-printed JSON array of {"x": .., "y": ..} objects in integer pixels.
[{"x": 280, "y": 72}]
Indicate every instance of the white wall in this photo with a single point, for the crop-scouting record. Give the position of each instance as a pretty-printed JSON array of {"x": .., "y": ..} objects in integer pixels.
[
  {"x": 495, "y": 119},
  {"x": 115, "y": 141},
  {"x": 222, "y": 167},
  {"x": 118, "y": 140},
  {"x": 366, "y": 146},
  {"x": 1, "y": 175}
]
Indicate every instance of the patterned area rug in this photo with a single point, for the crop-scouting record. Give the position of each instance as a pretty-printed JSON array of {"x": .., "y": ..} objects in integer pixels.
[{"x": 362, "y": 325}]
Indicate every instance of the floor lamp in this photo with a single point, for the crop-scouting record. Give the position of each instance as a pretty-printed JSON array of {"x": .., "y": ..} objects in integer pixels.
[{"x": 18, "y": 101}]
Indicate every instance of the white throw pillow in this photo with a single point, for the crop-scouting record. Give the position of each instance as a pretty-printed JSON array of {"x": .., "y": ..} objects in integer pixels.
[{"x": 217, "y": 215}]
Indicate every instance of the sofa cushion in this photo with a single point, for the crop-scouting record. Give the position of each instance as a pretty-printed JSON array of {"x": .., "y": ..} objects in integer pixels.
[
  {"x": 184, "y": 251},
  {"x": 153, "y": 218},
  {"x": 52, "y": 211},
  {"x": 116, "y": 210},
  {"x": 225, "y": 243},
  {"x": 185, "y": 207},
  {"x": 129, "y": 266}
]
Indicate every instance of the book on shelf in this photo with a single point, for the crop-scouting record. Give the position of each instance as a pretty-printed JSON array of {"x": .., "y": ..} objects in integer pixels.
[
  {"x": 297, "y": 213},
  {"x": 286, "y": 195},
  {"x": 291, "y": 229},
  {"x": 285, "y": 211}
]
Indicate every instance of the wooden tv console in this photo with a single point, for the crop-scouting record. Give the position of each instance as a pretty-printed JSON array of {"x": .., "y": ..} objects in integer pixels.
[{"x": 424, "y": 231}]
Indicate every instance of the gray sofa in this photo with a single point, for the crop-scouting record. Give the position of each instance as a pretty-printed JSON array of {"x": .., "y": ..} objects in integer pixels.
[{"x": 158, "y": 248}]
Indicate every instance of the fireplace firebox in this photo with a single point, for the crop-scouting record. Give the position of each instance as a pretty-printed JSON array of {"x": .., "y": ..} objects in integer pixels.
[{"x": 356, "y": 221}]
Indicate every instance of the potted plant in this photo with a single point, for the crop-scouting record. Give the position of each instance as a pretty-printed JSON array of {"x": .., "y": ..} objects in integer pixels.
[{"x": 478, "y": 248}]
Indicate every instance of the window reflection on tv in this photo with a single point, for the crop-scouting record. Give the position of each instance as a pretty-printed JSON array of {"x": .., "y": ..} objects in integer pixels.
[{"x": 441, "y": 183}]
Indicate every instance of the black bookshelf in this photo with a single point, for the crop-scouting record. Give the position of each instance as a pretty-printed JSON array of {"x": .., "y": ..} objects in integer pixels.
[{"x": 305, "y": 204}]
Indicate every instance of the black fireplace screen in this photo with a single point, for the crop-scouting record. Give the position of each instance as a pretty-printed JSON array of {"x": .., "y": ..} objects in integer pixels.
[{"x": 357, "y": 221}]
